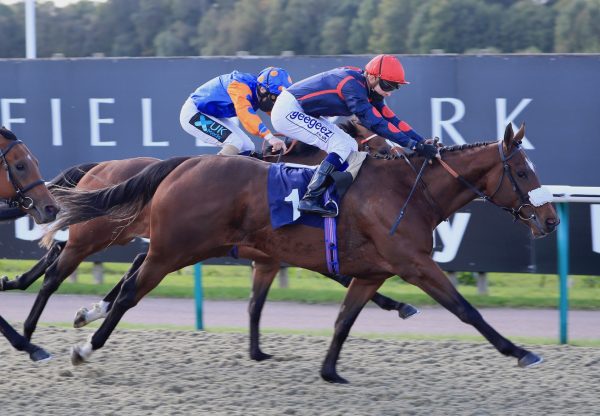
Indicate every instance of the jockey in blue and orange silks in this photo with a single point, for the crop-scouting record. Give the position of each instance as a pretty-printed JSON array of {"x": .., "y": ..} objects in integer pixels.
[
  {"x": 300, "y": 110},
  {"x": 213, "y": 112}
]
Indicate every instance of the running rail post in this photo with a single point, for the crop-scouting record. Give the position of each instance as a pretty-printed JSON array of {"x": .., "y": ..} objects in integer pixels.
[
  {"x": 563, "y": 267},
  {"x": 198, "y": 295}
]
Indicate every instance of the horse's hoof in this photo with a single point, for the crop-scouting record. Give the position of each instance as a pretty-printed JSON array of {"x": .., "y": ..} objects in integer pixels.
[
  {"x": 334, "y": 378},
  {"x": 76, "y": 356},
  {"x": 260, "y": 356},
  {"x": 3, "y": 282},
  {"x": 80, "y": 318},
  {"x": 530, "y": 360},
  {"x": 406, "y": 311},
  {"x": 40, "y": 355}
]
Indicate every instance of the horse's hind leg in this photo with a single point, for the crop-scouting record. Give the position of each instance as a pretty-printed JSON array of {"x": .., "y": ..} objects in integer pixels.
[
  {"x": 405, "y": 310},
  {"x": 262, "y": 277},
  {"x": 143, "y": 277},
  {"x": 99, "y": 310},
  {"x": 25, "y": 280},
  {"x": 66, "y": 264},
  {"x": 21, "y": 343},
  {"x": 359, "y": 292},
  {"x": 435, "y": 283}
]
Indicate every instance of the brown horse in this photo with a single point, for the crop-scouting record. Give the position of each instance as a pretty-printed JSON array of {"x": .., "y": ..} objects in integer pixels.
[
  {"x": 93, "y": 236},
  {"x": 23, "y": 188},
  {"x": 205, "y": 205}
]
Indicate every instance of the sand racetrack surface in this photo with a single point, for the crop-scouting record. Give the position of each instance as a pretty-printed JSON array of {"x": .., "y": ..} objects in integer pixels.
[{"x": 162, "y": 372}]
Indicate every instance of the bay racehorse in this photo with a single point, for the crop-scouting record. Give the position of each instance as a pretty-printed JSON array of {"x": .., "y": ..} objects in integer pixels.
[
  {"x": 22, "y": 188},
  {"x": 90, "y": 237},
  {"x": 202, "y": 206}
]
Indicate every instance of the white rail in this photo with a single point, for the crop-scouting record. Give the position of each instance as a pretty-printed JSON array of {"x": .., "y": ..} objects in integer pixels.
[{"x": 563, "y": 193}]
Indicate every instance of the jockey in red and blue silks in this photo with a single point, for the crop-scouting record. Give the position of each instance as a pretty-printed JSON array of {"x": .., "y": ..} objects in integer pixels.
[
  {"x": 300, "y": 113},
  {"x": 213, "y": 112}
]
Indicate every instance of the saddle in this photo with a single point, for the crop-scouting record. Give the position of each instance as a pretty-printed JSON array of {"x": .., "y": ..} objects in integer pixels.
[{"x": 287, "y": 182}]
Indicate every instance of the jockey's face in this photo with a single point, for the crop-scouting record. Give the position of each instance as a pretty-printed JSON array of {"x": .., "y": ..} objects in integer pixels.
[
  {"x": 265, "y": 99},
  {"x": 373, "y": 82}
]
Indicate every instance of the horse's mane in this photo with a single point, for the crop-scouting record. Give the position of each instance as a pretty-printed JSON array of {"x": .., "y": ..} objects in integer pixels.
[
  {"x": 459, "y": 147},
  {"x": 349, "y": 127},
  {"x": 8, "y": 135}
]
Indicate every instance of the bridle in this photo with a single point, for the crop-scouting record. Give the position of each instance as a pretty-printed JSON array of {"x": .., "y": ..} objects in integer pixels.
[
  {"x": 20, "y": 199},
  {"x": 534, "y": 198},
  {"x": 365, "y": 142}
]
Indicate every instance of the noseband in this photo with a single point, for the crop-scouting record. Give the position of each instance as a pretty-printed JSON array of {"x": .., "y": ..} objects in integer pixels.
[
  {"x": 534, "y": 198},
  {"x": 20, "y": 199}
]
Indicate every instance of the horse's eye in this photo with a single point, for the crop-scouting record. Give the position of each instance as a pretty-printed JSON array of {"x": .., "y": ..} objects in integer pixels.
[
  {"x": 522, "y": 174},
  {"x": 20, "y": 166}
]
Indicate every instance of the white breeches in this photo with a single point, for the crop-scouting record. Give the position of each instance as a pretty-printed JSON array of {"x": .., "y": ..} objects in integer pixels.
[
  {"x": 289, "y": 118},
  {"x": 212, "y": 131}
]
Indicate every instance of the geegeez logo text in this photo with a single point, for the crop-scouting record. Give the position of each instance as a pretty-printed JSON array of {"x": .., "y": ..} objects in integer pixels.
[{"x": 310, "y": 124}]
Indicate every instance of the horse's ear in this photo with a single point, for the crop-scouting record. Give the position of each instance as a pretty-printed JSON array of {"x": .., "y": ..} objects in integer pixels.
[
  {"x": 508, "y": 133},
  {"x": 508, "y": 136},
  {"x": 520, "y": 134}
]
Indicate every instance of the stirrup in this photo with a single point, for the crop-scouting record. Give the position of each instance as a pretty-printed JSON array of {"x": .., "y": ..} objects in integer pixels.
[{"x": 337, "y": 209}]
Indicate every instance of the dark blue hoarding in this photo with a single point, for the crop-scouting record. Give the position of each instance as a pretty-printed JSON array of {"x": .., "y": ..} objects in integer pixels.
[{"x": 70, "y": 111}]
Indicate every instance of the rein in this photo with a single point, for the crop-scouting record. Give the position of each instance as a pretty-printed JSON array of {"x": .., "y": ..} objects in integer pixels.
[
  {"x": 20, "y": 200},
  {"x": 363, "y": 141},
  {"x": 410, "y": 194},
  {"x": 534, "y": 198},
  {"x": 281, "y": 152}
]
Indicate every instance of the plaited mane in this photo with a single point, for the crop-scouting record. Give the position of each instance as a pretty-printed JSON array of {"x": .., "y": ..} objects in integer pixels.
[
  {"x": 8, "y": 135},
  {"x": 458, "y": 147}
]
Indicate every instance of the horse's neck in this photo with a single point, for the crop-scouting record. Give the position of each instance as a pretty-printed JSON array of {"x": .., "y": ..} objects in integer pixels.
[{"x": 474, "y": 164}]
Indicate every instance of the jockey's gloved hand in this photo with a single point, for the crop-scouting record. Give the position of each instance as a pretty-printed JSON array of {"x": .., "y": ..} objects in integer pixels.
[
  {"x": 427, "y": 150},
  {"x": 276, "y": 143},
  {"x": 435, "y": 141}
]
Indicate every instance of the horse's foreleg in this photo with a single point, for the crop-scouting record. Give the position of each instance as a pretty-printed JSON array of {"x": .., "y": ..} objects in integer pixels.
[
  {"x": 434, "y": 282},
  {"x": 99, "y": 310},
  {"x": 142, "y": 278},
  {"x": 359, "y": 292},
  {"x": 66, "y": 264},
  {"x": 21, "y": 343},
  {"x": 25, "y": 280},
  {"x": 262, "y": 278},
  {"x": 405, "y": 310}
]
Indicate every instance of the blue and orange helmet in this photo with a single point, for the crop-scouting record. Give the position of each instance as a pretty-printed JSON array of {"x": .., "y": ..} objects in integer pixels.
[{"x": 274, "y": 79}]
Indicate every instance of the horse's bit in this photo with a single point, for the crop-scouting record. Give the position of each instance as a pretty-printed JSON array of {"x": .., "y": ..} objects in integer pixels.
[
  {"x": 534, "y": 198},
  {"x": 20, "y": 200}
]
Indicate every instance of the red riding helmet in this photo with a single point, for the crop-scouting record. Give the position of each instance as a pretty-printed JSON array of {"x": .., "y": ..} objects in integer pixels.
[{"x": 388, "y": 68}]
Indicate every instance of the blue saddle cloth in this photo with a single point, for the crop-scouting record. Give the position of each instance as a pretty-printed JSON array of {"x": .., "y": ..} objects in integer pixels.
[{"x": 286, "y": 186}]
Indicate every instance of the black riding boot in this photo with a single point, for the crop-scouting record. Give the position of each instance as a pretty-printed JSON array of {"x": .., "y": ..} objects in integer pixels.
[{"x": 311, "y": 202}]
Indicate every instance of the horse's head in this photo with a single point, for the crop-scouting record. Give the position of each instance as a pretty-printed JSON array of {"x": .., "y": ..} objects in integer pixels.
[
  {"x": 23, "y": 186},
  {"x": 375, "y": 145},
  {"x": 519, "y": 190}
]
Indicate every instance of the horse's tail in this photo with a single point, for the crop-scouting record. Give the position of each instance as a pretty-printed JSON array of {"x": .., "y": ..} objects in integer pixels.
[
  {"x": 68, "y": 178},
  {"x": 122, "y": 201}
]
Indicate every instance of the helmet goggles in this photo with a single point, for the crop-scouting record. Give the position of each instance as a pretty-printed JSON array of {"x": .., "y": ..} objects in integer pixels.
[{"x": 388, "y": 86}]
